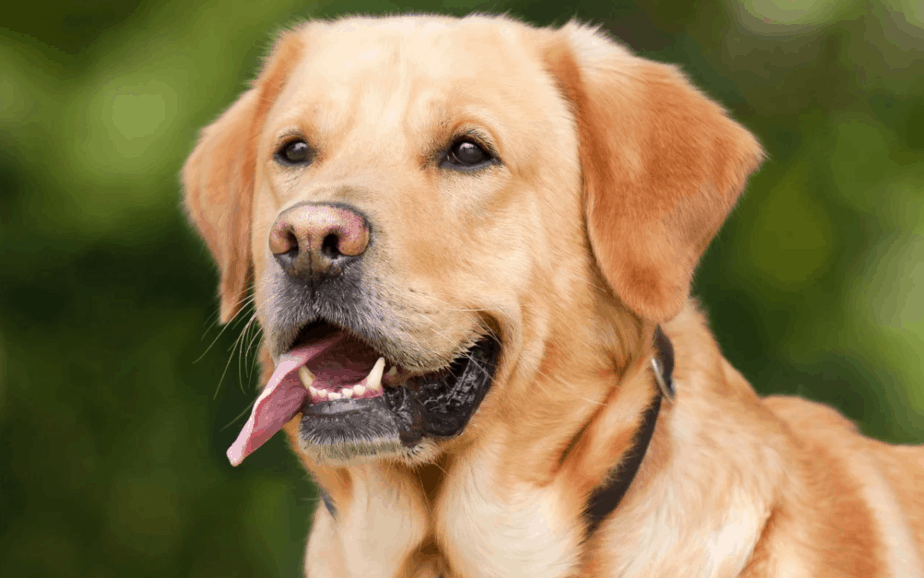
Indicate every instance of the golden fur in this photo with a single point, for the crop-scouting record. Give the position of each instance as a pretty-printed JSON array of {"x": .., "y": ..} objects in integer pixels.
[{"x": 615, "y": 175}]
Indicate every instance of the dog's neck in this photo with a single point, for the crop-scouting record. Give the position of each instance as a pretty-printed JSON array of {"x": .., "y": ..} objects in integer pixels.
[
  {"x": 606, "y": 497},
  {"x": 428, "y": 500}
]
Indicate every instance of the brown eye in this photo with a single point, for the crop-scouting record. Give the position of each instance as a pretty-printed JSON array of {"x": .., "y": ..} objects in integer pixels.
[
  {"x": 466, "y": 155},
  {"x": 296, "y": 152}
]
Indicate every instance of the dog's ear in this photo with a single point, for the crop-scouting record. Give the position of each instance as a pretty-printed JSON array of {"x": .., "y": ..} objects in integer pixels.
[
  {"x": 218, "y": 177},
  {"x": 663, "y": 165}
]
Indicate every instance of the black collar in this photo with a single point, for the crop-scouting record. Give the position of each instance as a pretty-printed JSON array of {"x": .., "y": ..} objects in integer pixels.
[{"x": 605, "y": 498}]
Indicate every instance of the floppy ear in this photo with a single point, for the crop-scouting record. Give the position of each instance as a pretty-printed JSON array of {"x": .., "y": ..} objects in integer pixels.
[
  {"x": 663, "y": 166},
  {"x": 218, "y": 177}
]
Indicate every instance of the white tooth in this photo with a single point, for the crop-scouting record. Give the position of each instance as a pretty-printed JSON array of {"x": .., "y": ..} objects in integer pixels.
[
  {"x": 306, "y": 376},
  {"x": 312, "y": 390},
  {"x": 374, "y": 379},
  {"x": 322, "y": 393},
  {"x": 358, "y": 390},
  {"x": 346, "y": 392},
  {"x": 333, "y": 395},
  {"x": 392, "y": 372}
]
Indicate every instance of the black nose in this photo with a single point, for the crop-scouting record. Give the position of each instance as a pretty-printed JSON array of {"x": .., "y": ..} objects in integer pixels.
[{"x": 318, "y": 240}]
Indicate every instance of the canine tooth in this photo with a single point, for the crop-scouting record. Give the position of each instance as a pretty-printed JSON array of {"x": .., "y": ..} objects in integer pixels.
[
  {"x": 346, "y": 392},
  {"x": 322, "y": 393},
  {"x": 374, "y": 379},
  {"x": 333, "y": 395},
  {"x": 313, "y": 391},
  {"x": 306, "y": 376},
  {"x": 358, "y": 390}
]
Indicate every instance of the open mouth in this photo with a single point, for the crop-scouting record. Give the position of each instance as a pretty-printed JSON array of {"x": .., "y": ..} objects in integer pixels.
[{"x": 354, "y": 402}]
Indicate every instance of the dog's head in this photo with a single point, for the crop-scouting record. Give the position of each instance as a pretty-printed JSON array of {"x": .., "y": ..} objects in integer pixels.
[{"x": 432, "y": 208}]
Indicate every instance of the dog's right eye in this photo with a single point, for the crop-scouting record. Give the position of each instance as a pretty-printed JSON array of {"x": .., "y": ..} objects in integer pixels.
[
  {"x": 295, "y": 152},
  {"x": 466, "y": 155}
]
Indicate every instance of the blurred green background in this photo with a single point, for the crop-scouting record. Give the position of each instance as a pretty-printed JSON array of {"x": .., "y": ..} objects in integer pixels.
[{"x": 113, "y": 424}]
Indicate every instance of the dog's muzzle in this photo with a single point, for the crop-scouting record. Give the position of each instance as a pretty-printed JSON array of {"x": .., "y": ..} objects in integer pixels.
[{"x": 354, "y": 403}]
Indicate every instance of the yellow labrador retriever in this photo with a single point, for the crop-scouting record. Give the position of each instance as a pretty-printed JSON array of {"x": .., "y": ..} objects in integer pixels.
[{"x": 471, "y": 243}]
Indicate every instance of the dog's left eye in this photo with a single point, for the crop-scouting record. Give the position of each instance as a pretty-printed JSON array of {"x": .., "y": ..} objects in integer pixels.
[
  {"x": 296, "y": 152},
  {"x": 466, "y": 155}
]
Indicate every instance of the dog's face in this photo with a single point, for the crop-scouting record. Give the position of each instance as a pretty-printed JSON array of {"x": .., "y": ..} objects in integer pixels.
[{"x": 427, "y": 207}]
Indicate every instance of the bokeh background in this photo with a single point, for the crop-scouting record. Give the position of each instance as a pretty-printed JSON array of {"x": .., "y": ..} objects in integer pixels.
[{"x": 114, "y": 416}]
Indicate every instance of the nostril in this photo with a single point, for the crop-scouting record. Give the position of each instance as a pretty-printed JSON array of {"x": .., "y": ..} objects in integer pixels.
[
  {"x": 284, "y": 245},
  {"x": 292, "y": 243},
  {"x": 283, "y": 239},
  {"x": 330, "y": 248}
]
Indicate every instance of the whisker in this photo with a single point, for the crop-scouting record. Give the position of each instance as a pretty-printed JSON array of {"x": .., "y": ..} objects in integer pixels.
[
  {"x": 240, "y": 348},
  {"x": 244, "y": 302},
  {"x": 217, "y": 312},
  {"x": 232, "y": 349},
  {"x": 240, "y": 415},
  {"x": 257, "y": 333}
]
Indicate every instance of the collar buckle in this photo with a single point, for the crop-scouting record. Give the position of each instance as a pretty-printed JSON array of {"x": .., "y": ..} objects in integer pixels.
[{"x": 663, "y": 364}]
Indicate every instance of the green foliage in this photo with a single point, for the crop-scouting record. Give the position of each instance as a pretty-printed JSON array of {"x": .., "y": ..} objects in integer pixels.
[{"x": 112, "y": 418}]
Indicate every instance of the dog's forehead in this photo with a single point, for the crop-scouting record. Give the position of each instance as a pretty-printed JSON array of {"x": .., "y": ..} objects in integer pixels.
[
  {"x": 440, "y": 47},
  {"x": 409, "y": 70}
]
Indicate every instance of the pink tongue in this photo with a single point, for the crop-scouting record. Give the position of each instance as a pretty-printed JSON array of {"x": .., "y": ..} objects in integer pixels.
[{"x": 281, "y": 399}]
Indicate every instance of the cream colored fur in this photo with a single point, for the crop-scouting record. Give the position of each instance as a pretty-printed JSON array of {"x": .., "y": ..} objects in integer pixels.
[{"x": 614, "y": 174}]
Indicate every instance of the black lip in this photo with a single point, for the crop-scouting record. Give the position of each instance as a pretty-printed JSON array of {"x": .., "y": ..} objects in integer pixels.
[
  {"x": 447, "y": 403},
  {"x": 437, "y": 405}
]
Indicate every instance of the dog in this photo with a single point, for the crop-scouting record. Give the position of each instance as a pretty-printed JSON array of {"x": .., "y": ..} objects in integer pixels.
[{"x": 471, "y": 244}]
